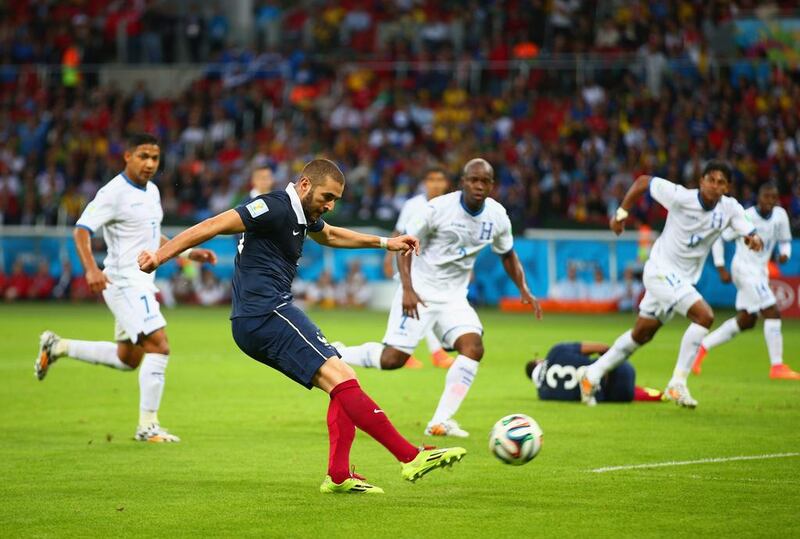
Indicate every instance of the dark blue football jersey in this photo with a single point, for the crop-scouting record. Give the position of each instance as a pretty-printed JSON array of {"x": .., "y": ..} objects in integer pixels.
[
  {"x": 266, "y": 265},
  {"x": 558, "y": 376}
]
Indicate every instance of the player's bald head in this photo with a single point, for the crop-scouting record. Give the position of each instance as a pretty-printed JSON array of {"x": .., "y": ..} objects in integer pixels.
[
  {"x": 478, "y": 164},
  {"x": 318, "y": 170}
]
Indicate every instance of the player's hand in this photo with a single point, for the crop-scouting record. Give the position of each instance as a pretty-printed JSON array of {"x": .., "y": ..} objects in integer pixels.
[
  {"x": 616, "y": 226},
  {"x": 148, "y": 261},
  {"x": 97, "y": 280},
  {"x": 754, "y": 242},
  {"x": 724, "y": 274},
  {"x": 203, "y": 255},
  {"x": 410, "y": 302},
  {"x": 405, "y": 243},
  {"x": 529, "y": 299},
  {"x": 782, "y": 259}
]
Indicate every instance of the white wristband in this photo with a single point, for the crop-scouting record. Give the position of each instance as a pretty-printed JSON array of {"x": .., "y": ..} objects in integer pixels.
[
  {"x": 621, "y": 214},
  {"x": 186, "y": 253},
  {"x": 384, "y": 242}
]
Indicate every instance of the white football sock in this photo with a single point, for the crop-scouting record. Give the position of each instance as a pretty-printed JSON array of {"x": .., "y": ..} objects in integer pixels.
[
  {"x": 727, "y": 331},
  {"x": 456, "y": 385},
  {"x": 434, "y": 344},
  {"x": 689, "y": 345},
  {"x": 774, "y": 338},
  {"x": 96, "y": 352},
  {"x": 151, "y": 386},
  {"x": 621, "y": 350},
  {"x": 364, "y": 355}
]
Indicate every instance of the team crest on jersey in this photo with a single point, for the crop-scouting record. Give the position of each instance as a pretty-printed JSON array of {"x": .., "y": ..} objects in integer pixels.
[{"x": 257, "y": 207}]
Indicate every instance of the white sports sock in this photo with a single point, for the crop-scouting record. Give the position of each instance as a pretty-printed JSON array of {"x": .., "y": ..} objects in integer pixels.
[
  {"x": 151, "y": 386},
  {"x": 456, "y": 385},
  {"x": 621, "y": 350},
  {"x": 434, "y": 344},
  {"x": 774, "y": 338},
  {"x": 96, "y": 352},
  {"x": 689, "y": 345},
  {"x": 364, "y": 355},
  {"x": 727, "y": 331}
]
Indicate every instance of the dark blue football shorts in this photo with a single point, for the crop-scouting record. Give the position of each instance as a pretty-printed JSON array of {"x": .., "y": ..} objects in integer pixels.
[
  {"x": 619, "y": 383},
  {"x": 286, "y": 340}
]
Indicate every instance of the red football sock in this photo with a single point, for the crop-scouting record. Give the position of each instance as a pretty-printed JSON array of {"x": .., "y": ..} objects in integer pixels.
[
  {"x": 341, "y": 432},
  {"x": 371, "y": 419},
  {"x": 646, "y": 394}
]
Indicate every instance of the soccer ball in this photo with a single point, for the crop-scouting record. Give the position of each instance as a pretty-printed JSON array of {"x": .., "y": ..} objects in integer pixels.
[{"x": 515, "y": 439}]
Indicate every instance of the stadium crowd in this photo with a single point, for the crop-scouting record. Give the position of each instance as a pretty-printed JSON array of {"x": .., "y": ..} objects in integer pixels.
[{"x": 424, "y": 82}]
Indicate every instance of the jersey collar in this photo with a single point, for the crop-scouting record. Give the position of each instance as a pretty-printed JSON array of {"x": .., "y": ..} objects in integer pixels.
[
  {"x": 133, "y": 184},
  {"x": 297, "y": 206},
  {"x": 767, "y": 216},
  {"x": 472, "y": 213},
  {"x": 703, "y": 204}
]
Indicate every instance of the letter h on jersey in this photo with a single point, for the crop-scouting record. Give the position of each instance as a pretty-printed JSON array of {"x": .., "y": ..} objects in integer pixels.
[{"x": 486, "y": 230}]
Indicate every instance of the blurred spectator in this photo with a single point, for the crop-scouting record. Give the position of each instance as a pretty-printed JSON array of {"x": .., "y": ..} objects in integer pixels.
[
  {"x": 261, "y": 181},
  {"x": 208, "y": 289},
  {"x": 322, "y": 292},
  {"x": 354, "y": 291},
  {"x": 62, "y": 288},
  {"x": 18, "y": 284},
  {"x": 631, "y": 290},
  {"x": 42, "y": 283},
  {"x": 601, "y": 289},
  {"x": 570, "y": 288}
]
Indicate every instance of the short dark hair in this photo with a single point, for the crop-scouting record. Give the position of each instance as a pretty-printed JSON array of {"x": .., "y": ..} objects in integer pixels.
[
  {"x": 768, "y": 186},
  {"x": 137, "y": 139},
  {"x": 319, "y": 169},
  {"x": 722, "y": 166},
  {"x": 435, "y": 169}
]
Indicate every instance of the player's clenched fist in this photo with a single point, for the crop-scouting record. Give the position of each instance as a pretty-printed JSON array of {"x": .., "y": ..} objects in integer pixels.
[{"x": 148, "y": 261}]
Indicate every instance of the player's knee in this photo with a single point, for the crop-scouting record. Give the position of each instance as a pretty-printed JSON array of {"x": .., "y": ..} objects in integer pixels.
[
  {"x": 746, "y": 322},
  {"x": 392, "y": 358},
  {"x": 642, "y": 336},
  {"x": 473, "y": 350},
  {"x": 705, "y": 319}
]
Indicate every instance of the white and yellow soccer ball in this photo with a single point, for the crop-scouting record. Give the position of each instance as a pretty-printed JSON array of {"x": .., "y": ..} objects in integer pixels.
[{"x": 516, "y": 439}]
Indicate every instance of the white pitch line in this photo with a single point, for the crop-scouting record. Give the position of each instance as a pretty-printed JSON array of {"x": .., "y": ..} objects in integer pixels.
[{"x": 698, "y": 461}]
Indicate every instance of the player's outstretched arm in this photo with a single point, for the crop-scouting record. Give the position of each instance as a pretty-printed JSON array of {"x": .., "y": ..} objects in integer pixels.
[
  {"x": 198, "y": 255},
  {"x": 635, "y": 192},
  {"x": 344, "y": 238},
  {"x": 228, "y": 222},
  {"x": 514, "y": 270},
  {"x": 591, "y": 347}
]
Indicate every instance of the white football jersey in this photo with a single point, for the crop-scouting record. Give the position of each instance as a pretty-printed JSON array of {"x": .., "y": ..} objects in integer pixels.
[
  {"x": 130, "y": 218},
  {"x": 691, "y": 228},
  {"x": 453, "y": 237},
  {"x": 774, "y": 232},
  {"x": 413, "y": 206}
]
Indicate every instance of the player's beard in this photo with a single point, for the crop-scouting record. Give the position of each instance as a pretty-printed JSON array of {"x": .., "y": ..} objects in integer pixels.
[{"x": 308, "y": 203}]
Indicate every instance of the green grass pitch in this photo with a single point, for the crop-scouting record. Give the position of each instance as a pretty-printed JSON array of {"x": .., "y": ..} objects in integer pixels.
[{"x": 255, "y": 444}]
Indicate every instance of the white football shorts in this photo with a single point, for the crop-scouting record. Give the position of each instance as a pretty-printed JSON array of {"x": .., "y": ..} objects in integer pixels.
[
  {"x": 753, "y": 293},
  {"x": 136, "y": 311},
  {"x": 666, "y": 293},
  {"x": 448, "y": 320}
]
